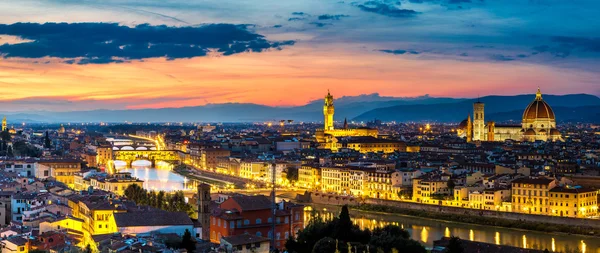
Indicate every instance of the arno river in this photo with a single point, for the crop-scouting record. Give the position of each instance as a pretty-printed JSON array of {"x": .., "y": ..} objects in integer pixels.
[
  {"x": 426, "y": 231},
  {"x": 423, "y": 230}
]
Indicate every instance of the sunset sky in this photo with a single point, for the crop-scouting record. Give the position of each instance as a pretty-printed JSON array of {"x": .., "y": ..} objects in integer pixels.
[{"x": 126, "y": 54}]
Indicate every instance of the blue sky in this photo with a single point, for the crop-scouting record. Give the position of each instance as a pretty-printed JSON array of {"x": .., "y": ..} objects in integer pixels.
[{"x": 456, "y": 48}]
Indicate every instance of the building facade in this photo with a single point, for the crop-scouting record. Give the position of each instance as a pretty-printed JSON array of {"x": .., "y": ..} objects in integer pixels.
[{"x": 538, "y": 124}]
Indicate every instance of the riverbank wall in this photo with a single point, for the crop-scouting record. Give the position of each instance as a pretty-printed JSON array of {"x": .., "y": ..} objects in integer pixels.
[{"x": 328, "y": 199}]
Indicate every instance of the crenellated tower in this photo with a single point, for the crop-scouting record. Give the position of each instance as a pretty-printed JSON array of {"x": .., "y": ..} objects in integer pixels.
[
  {"x": 204, "y": 210},
  {"x": 469, "y": 129},
  {"x": 328, "y": 111}
]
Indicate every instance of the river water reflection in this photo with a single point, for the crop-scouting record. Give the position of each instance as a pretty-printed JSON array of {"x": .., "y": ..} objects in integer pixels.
[
  {"x": 157, "y": 179},
  {"x": 426, "y": 231}
]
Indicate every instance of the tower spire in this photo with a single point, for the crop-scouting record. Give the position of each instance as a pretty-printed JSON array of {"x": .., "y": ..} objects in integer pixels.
[{"x": 538, "y": 95}]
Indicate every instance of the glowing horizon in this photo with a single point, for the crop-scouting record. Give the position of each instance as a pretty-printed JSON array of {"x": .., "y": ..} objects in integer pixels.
[{"x": 308, "y": 47}]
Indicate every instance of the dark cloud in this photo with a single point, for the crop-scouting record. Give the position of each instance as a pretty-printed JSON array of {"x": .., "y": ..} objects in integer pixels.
[
  {"x": 501, "y": 57},
  {"x": 319, "y": 24},
  {"x": 580, "y": 43},
  {"x": 295, "y": 19},
  {"x": 331, "y": 17},
  {"x": 97, "y": 43},
  {"x": 564, "y": 46},
  {"x": 277, "y": 26},
  {"x": 386, "y": 9},
  {"x": 398, "y": 51},
  {"x": 298, "y": 13}
]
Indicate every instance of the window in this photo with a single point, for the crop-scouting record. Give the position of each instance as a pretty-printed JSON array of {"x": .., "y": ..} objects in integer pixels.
[
  {"x": 231, "y": 224},
  {"x": 246, "y": 222},
  {"x": 258, "y": 233}
]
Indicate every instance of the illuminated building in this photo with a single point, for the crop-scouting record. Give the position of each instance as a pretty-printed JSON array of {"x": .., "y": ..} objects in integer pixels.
[
  {"x": 63, "y": 170},
  {"x": 367, "y": 144},
  {"x": 478, "y": 121},
  {"x": 426, "y": 189},
  {"x": 61, "y": 129},
  {"x": 115, "y": 183},
  {"x": 538, "y": 124},
  {"x": 253, "y": 170},
  {"x": 335, "y": 180},
  {"x": 252, "y": 215},
  {"x": 4, "y": 124},
  {"x": 309, "y": 177},
  {"x": 104, "y": 154},
  {"x": 575, "y": 202},
  {"x": 327, "y": 136},
  {"x": 531, "y": 195},
  {"x": 209, "y": 157}
]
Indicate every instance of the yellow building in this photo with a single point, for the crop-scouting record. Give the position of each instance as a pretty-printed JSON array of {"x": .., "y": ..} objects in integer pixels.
[
  {"x": 379, "y": 184},
  {"x": 115, "y": 183},
  {"x": 538, "y": 124},
  {"x": 4, "y": 126},
  {"x": 575, "y": 202},
  {"x": 253, "y": 170},
  {"x": 309, "y": 177},
  {"x": 327, "y": 137},
  {"x": 335, "y": 180},
  {"x": 358, "y": 181},
  {"x": 104, "y": 154},
  {"x": 425, "y": 190},
  {"x": 369, "y": 144},
  {"x": 531, "y": 195},
  {"x": 96, "y": 215},
  {"x": 63, "y": 170}
]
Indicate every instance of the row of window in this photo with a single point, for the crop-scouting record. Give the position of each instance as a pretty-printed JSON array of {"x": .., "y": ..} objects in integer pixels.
[{"x": 258, "y": 221}]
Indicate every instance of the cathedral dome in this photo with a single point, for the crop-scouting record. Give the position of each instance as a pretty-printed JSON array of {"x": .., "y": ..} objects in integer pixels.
[
  {"x": 538, "y": 109},
  {"x": 554, "y": 131},
  {"x": 463, "y": 124}
]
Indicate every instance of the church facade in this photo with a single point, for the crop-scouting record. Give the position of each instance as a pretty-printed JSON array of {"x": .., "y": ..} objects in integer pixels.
[
  {"x": 538, "y": 124},
  {"x": 327, "y": 137}
]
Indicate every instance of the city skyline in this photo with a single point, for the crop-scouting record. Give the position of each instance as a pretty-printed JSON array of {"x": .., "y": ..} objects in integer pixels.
[{"x": 461, "y": 49}]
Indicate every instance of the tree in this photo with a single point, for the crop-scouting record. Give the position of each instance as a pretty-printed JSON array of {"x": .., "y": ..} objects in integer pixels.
[
  {"x": 88, "y": 249},
  {"x": 451, "y": 184},
  {"x": 9, "y": 152},
  {"x": 391, "y": 238},
  {"x": 325, "y": 245},
  {"x": 454, "y": 245},
  {"x": 47, "y": 142},
  {"x": 343, "y": 225},
  {"x": 292, "y": 174},
  {"x": 5, "y": 136},
  {"x": 187, "y": 242}
]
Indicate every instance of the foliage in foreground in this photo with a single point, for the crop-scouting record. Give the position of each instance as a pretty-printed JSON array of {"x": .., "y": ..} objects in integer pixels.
[
  {"x": 172, "y": 202},
  {"x": 325, "y": 237}
]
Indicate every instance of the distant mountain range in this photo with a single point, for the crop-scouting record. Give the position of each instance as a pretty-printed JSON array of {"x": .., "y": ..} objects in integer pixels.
[{"x": 577, "y": 107}]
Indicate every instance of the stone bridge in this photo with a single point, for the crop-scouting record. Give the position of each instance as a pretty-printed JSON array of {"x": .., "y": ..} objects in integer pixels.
[{"x": 153, "y": 156}]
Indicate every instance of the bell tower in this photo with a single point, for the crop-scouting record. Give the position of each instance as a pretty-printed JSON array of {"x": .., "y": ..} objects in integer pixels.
[
  {"x": 478, "y": 121},
  {"x": 4, "y": 124},
  {"x": 469, "y": 129},
  {"x": 328, "y": 110},
  {"x": 204, "y": 210}
]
